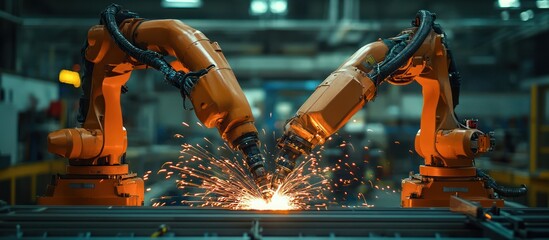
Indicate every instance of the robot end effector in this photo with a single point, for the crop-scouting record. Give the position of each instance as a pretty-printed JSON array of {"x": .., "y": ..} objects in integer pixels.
[
  {"x": 292, "y": 147},
  {"x": 249, "y": 144}
]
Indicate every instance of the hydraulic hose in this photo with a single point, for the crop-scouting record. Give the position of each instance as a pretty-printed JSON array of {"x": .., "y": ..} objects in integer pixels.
[
  {"x": 148, "y": 57},
  {"x": 88, "y": 69},
  {"x": 425, "y": 21},
  {"x": 87, "y": 73},
  {"x": 501, "y": 190},
  {"x": 510, "y": 191}
]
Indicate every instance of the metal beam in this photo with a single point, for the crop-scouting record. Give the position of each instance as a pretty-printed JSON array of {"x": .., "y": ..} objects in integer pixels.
[
  {"x": 530, "y": 28},
  {"x": 10, "y": 17},
  {"x": 281, "y": 24},
  {"x": 286, "y": 66}
]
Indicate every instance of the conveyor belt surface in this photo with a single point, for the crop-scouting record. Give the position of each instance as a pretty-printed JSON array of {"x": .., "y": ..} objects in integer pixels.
[{"x": 208, "y": 223}]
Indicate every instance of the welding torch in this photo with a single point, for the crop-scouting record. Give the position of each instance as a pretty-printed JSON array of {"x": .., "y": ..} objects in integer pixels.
[
  {"x": 248, "y": 144},
  {"x": 291, "y": 147}
]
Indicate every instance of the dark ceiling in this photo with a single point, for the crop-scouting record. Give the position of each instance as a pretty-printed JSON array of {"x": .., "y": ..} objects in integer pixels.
[{"x": 40, "y": 37}]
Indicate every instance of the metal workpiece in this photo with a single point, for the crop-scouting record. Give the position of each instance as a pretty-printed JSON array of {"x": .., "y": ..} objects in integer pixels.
[{"x": 209, "y": 223}]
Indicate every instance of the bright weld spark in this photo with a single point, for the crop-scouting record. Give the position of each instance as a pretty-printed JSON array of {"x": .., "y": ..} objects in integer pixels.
[
  {"x": 226, "y": 183},
  {"x": 279, "y": 201},
  {"x": 177, "y": 135},
  {"x": 211, "y": 181}
]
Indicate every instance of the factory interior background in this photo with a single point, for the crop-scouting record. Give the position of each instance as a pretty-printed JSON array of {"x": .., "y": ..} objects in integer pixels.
[{"x": 280, "y": 50}]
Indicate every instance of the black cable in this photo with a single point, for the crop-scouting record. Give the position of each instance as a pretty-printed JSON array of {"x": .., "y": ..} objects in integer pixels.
[
  {"x": 147, "y": 57},
  {"x": 501, "y": 190},
  {"x": 113, "y": 16},
  {"x": 425, "y": 21},
  {"x": 87, "y": 74}
]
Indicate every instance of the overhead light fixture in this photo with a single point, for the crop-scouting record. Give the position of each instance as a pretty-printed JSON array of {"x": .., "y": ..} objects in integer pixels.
[
  {"x": 258, "y": 7},
  {"x": 542, "y": 3},
  {"x": 279, "y": 6},
  {"x": 181, "y": 3},
  {"x": 261, "y": 7},
  {"x": 509, "y": 3},
  {"x": 526, "y": 15}
]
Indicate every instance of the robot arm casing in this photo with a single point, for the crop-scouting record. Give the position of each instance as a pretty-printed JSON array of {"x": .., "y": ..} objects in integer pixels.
[
  {"x": 217, "y": 98},
  {"x": 338, "y": 97}
]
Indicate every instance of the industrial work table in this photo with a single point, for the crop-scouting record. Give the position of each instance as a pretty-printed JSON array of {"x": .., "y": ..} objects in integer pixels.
[{"x": 60, "y": 222}]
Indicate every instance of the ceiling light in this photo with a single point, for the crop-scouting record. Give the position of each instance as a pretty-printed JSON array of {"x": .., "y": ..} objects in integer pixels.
[
  {"x": 279, "y": 6},
  {"x": 509, "y": 3},
  {"x": 258, "y": 7},
  {"x": 181, "y": 3},
  {"x": 542, "y": 3},
  {"x": 526, "y": 15}
]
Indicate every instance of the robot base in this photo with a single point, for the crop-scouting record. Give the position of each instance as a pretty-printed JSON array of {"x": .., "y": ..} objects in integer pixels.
[
  {"x": 421, "y": 191},
  {"x": 96, "y": 187}
]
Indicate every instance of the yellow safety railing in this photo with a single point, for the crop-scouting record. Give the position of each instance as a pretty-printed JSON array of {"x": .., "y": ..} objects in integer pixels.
[{"x": 31, "y": 170}]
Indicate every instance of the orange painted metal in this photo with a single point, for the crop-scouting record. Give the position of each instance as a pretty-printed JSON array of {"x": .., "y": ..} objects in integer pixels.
[
  {"x": 96, "y": 150},
  {"x": 421, "y": 191},
  {"x": 98, "y": 170},
  {"x": 121, "y": 190},
  {"x": 218, "y": 99},
  {"x": 338, "y": 97},
  {"x": 430, "y": 171},
  {"x": 447, "y": 147}
]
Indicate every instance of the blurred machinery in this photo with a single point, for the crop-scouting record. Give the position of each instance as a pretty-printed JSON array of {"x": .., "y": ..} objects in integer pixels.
[
  {"x": 448, "y": 147},
  {"x": 97, "y": 173},
  {"x": 537, "y": 175}
]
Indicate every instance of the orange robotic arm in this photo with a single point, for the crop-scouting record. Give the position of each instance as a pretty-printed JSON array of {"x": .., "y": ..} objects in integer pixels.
[
  {"x": 331, "y": 105},
  {"x": 351, "y": 86},
  {"x": 343, "y": 93},
  {"x": 419, "y": 53},
  {"x": 125, "y": 42}
]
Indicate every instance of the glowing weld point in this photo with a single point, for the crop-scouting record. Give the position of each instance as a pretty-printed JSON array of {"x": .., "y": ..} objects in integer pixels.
[{"x": 278, "y": 202}]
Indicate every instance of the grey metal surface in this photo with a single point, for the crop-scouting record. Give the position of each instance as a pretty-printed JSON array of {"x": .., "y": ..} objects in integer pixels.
[{"x": 184, "y": 222}]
